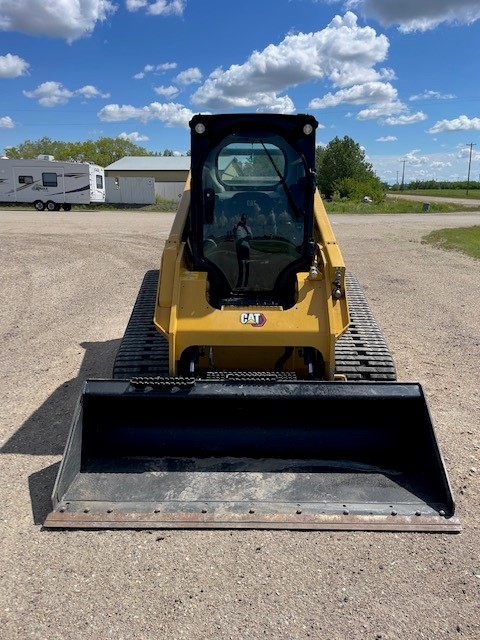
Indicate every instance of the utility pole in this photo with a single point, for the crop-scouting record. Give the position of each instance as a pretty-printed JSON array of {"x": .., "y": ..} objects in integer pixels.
[
  {"x": 403, "y": 175},
  {"x": 471, "y": 145}
]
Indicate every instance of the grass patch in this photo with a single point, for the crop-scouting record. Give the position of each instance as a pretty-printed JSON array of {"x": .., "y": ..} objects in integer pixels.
[
  {"x": 464, "y": 239},
  {"x": 389, "y": 205},
  {"x": 162, "y": 206},
  {"x": 392, "y": 205}
]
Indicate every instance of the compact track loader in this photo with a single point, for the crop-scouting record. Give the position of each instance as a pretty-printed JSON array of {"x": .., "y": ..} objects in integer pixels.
[{"x": 253, "y": 387}]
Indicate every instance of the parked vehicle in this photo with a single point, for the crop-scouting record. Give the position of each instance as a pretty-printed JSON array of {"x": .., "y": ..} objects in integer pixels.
[{"x": 51, "y": 184}]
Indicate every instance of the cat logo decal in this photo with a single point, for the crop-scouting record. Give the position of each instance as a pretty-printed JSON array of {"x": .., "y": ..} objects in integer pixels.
[{"x": 254, "y": 319}]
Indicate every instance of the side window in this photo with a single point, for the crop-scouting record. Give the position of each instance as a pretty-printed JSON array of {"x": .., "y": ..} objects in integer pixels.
[
  {"x": 49, "y": 179},
  {"x": 25, "y": 179},
  {"x": 99, "y": 182}
]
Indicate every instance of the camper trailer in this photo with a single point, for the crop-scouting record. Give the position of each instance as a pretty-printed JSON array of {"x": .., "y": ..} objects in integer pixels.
[{"x": 51, "y": 184}]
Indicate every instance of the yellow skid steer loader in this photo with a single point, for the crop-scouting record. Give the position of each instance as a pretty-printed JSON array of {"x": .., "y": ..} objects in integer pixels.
[{"x": 253, "y": 387}]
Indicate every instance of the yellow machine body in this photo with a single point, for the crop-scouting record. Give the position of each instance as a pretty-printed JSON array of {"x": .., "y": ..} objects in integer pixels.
[{"x": 251, "y": 339}]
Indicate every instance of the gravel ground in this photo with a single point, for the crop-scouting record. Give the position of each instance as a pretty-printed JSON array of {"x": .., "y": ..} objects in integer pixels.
[
  {"x": 467, "y": 202},
  {"x": 69, "y": 281}
]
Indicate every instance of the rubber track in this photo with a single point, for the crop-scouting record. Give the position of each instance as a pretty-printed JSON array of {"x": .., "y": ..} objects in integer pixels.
[
  {"x": 360, "y": 354},
  {"x": 143, "y": 350}
]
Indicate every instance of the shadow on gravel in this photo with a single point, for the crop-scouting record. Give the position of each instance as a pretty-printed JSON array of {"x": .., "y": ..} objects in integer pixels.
[
  {"x": 46, "y": 430},
  {"x": 40, "y": 485}
]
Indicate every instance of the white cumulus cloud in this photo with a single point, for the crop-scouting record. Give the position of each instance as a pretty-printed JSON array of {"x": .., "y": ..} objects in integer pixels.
[
  {"x": 89, "y": 91},
  {"x": 12, "y": 66},
  {"x": 189, "y": 76},
  {"x": 52, "y": 94},
  {"x": 158, "y": 7},
  {"x": 6, "y": 123},
  {"x": 65, "y": 19},
  {"x": 134, "y": 136},
  {"x": 366, "y": 93},
  {"x": 342, "y": 54},
  {"x": 462, "y": 123},
  {"x": 418, "y": 15},
  {"x": 171, "y": 114},
  {"x": 410, "y": 118},
  {"x": 169, "y": 91},
  {"x": 432, "y": 95},
  {"x": 155, "y": 68}
]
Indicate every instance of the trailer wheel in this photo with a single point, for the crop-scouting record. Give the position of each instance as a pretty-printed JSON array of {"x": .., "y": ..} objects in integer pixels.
[
  {"x": 51, "y": 206},
  {"x": 39, "y": 205},
  {"x": 66, "y": 206}
]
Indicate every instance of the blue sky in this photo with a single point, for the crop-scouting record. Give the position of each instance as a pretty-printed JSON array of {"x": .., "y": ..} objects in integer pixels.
[{"x": 400, "y": 77}]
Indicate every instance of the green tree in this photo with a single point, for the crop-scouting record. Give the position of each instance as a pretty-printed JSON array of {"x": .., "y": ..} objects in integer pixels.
[
  {"x": 339, "y": 160},
  {"x": 103, "y": 151},
  {"x": 356, "y": 190}
]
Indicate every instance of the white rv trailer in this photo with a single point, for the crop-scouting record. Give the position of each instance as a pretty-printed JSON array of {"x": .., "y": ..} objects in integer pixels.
[{"x": 51, "y": 184}]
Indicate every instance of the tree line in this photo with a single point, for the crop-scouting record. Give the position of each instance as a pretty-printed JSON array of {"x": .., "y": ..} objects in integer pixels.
[
  {"x": 424, "y": 185},
  {"x": 103, "y": 151},
  {"x": 342, "y": 171}
]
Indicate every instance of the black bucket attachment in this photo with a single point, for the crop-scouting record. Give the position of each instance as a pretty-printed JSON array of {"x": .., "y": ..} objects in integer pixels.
[{"x": 185, "y": 453}]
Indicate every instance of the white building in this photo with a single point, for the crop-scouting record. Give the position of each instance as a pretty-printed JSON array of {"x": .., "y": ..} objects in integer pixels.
[{"x": 168, "y": 172}]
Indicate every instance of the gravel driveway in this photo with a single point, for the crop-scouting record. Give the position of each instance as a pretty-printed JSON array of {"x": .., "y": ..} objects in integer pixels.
[{"x": 69, "y": 281}]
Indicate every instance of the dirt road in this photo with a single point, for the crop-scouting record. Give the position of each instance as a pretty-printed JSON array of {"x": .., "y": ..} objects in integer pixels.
[
  {"x": 468, "y": 202},
  {"x": 69, "y": 281}
]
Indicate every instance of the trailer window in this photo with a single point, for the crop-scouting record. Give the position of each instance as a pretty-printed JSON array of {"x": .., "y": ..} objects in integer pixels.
[
  {"x": 25, "y": 179},
  {"x": 49, "y": 179},
  {"x": 99, "y": 180}
]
